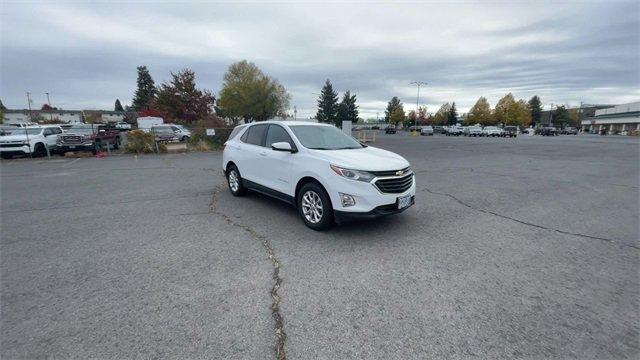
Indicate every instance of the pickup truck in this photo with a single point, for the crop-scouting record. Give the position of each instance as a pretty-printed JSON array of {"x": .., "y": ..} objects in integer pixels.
[
  {"x": 453, "y": 131},
  {"x": 88, "y": 137},
  {"x": 473, "y": 131},
  {"x": 32, "y": 140},
  {"x": 492, "y": 131}
]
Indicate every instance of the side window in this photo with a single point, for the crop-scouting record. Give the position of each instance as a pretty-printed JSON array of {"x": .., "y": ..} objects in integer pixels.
[
  {"x": 48, "y": 131},
  {"x": 174, "y": 128},
  {"x": 255, "y": 135},
  {"x": 276, "y": 134},
  {"x": 57, "y": 131}
]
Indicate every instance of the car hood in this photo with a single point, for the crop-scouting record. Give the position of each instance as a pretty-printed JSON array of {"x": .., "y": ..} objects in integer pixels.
[
  {"x": 12, "y": 138},
  {"x": 368, "y": 158}
]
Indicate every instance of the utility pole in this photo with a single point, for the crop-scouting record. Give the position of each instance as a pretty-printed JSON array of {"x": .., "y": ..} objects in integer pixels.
[
  {"x": 419, "y": 83},
  {"x": 49, "y": 103},
  {"x": 295, "y": 112},
  {"x": 29, "y": 103}
]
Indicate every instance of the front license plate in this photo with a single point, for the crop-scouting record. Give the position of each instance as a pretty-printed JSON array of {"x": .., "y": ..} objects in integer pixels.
[
  {"x": 404, "y": 201},
  {"x": 72, "y": 147}
]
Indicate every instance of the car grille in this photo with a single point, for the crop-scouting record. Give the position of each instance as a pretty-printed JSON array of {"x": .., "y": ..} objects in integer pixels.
[
  {"x": 395, "y": 185},
  {"x": 70, "y": 139},
  {"x": 387, "y": 172},
  {"x": 6, "y": 145}
]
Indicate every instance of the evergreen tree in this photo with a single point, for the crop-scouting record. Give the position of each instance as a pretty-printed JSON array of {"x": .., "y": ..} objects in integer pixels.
[
  {"x": 536, "y": 110},
  {"x": 146, "y": 90},
  {"x": 393, "y": 104},
  {"x": 561, "y": 116},
  {"x": 348, "y": 110},
  {"x": 118, "y": 106},
  {"x": 327, "y": 104},
  {"x": 452, "y": 116},
  {"x": 2, "y": 107}
]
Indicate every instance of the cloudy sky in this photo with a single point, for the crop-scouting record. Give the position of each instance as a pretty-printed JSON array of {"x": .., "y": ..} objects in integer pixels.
[{"x": 85, "y": 54}]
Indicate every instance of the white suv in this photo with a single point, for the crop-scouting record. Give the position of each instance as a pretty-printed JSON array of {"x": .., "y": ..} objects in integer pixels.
[{"x": 327, "y": 175}]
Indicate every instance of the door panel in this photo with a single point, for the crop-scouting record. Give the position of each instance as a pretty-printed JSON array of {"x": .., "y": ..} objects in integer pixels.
[{"x": 277, "y": 164}]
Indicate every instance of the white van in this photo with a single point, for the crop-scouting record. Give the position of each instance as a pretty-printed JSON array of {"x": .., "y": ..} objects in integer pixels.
[{"x": 147, "y": 122}]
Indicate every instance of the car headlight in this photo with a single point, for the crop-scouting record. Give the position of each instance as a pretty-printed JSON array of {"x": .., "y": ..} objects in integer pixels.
[{"x": 353, "y": 174}]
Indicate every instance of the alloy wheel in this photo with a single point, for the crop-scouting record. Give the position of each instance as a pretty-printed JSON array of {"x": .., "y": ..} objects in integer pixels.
[{"x": 312, "y": 207}]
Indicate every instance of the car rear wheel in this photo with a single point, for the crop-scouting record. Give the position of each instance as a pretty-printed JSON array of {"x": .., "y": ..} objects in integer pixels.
[
  {"x": 39, "y": 150},
  {"x": 315, "y": 207},
  {"x": 234, "y": 181}
]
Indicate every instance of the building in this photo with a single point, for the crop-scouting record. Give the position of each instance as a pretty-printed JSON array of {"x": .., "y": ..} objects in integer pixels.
[
  {"x": 104, "y": 116},
  {"x": 25, "y": 116},
  {"x": 585, "y": 111},
  {"x": 619, "y": 119}
]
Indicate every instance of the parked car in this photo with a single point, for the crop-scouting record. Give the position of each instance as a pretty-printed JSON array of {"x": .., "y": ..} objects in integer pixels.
[
  {"x": 427, "y": 131},
  {"x": 164, "y": 134},
  {"x": 329, "y": 176},
  {"x": 181, "y": 132},
  {"x": 569, "y": 130},
  {"x": 375, "y": 127},
  {"x": 492, "y": 131},
  {"x": 415, "y": 128},
  {"x": 123, "y": 126},
  {"x": 88, "y": 137},
  {"x": 439, "y": 129},
  {"x": 548, "y": 131},
  {"x": 510, "y": 131},
  {"x": 29, "y": 140},
  {"x": 391, "y": 129},
  {"x": 454, "y": 131},
  {"x": 473, "y": 131}
]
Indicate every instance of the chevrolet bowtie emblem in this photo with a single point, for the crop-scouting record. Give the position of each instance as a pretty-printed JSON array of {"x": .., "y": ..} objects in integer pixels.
[{"x": 399, "y": 173}]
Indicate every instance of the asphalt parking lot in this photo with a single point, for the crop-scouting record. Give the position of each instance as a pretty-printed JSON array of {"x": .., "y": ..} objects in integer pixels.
[{"x": 516, "y": 248}]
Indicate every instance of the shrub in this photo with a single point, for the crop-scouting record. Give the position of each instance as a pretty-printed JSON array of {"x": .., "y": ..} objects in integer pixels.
[
  {"x": 199, "y": 141},
  {"x": 139, "y": 141}
]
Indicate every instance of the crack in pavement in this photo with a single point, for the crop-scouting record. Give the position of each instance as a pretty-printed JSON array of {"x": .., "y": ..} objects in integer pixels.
[
  {"x": 613, "y": 241},
  {"x": 281, "y": 336}
]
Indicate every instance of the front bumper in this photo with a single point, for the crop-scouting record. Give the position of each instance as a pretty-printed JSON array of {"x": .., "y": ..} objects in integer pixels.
[
  {"x": 15, "y": 150},
  {"x": 382, "y": 210}
]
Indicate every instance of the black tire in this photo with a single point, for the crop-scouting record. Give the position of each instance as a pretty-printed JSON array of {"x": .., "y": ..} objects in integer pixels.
[
  {"x": 184, "y": 139},
  {"x": 39, "y": 150},
  {"x": 326, "y": 219},
  {"x": 234, "y": 181}
]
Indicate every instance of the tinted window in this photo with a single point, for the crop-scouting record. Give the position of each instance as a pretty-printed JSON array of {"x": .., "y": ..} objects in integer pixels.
[
  {"x": 277, "y": 134},
  {"x": 235, "y": 132},
  {"x": 256, "y": 135}
]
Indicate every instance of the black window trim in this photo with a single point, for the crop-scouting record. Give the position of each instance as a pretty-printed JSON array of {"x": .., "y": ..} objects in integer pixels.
[{"x": 294, "y": 148}]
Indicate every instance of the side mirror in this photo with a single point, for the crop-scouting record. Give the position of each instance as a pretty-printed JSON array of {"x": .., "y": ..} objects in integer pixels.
[{"x": 282, "y": 146}]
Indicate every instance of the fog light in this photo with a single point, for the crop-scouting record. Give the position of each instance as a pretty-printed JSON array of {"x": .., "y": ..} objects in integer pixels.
[{"x": 347, "y": 200}]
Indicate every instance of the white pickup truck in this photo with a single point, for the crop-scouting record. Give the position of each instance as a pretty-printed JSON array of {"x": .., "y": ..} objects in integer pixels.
[
  {"x": 473, "y": 131},
  {"x": 30, "y": 140}
]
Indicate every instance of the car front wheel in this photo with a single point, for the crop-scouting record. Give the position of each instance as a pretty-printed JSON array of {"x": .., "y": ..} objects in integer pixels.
[{"x": 315, "y": 207}]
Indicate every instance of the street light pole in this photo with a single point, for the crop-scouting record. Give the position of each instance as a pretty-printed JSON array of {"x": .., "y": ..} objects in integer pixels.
[
  {"x": 418, "y": 83},
  {"x": 29, "y": 103},
  {"x": 49, "y": 103}
]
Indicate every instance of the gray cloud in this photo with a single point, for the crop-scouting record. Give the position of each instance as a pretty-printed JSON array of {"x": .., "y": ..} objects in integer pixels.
[{"x": 85, "y": 54}]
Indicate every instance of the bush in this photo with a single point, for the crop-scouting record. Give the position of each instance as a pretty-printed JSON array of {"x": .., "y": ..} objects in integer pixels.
[
  {"x": 199, "y": 141},
  {"x": 139, "y": 141}
]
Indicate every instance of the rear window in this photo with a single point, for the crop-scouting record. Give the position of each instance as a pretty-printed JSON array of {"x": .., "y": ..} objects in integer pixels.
[{"x": 236, "y": 130}]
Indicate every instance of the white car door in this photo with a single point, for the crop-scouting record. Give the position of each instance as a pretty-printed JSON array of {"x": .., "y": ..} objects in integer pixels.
[
  {"x": 277, "y": 164},
  {"x": 50, "y": 137},
  {"x": 252, "y": 153}
]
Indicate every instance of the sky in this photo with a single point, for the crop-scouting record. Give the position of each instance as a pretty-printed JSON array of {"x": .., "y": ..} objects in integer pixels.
[{"x": 85, "y": 54}]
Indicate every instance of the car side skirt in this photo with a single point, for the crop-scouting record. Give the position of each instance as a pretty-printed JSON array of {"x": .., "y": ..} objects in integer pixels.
[{"x": 268, "y": 191}]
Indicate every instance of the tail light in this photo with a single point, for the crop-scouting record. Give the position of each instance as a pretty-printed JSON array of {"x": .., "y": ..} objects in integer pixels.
[{"x": 224, "y": 145}]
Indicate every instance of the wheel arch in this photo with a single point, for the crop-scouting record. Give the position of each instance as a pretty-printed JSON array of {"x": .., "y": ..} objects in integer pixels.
[{"x": 306, "y": 180}]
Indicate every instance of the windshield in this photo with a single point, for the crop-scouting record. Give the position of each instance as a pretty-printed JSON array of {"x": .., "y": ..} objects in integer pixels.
[
  {"x": 24, "y": 131},
  {"x": 323, "y": 138}
]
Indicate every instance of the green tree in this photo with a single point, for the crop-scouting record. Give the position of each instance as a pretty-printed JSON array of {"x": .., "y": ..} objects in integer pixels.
[
  {"x": 146, "y": 90},
  {"x": 536, "y": 110},
  {"x": 118, "y": 106},
  {"x": 561, "y": 116},
  {"x": 442, "y": 115},
  {"x": 328, "y": 105},
  {"x": 347, "y": 109},
  {"x": 393, "y": 104},
  {"x": 2, "y": 107},
  {"x": 480, "y": 113},
  {"x": 180, "y": 99},
  {"x": 574, "y": 116},
  {"x": 452, "y": 116},
  {"x": 397, "y": 116},
  {"x": 248, "y": 94}
]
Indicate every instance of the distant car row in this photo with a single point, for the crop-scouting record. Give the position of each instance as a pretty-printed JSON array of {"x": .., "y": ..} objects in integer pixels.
[
  {"x": 489, "y": 131},
  {"x": 37, "y": 140}
]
